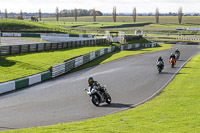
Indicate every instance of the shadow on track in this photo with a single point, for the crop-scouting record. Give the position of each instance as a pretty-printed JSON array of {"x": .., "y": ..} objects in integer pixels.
[
  {"x": 167, "y": 73},
  {"x": 6, "y": 128},
  {"x": 182, "y": 60},
  {"x": 116, "y": 105}
]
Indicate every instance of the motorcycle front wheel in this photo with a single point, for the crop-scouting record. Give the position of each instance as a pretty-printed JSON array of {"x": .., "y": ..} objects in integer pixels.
[
  {"x": 95, "y": 100},
  {"x": 108, "y": 98}
]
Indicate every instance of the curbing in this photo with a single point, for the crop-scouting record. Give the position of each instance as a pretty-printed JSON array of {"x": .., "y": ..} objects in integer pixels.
[
  {"x": 65, "y": 67},
  {"x": 7, "y": 86},
  {"x": 24, "y": 82}
]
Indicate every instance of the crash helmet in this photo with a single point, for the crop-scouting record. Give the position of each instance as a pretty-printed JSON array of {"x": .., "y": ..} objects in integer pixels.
[
  {"x": 160, "y": 58},
  {"x": 90, "y": 80}
]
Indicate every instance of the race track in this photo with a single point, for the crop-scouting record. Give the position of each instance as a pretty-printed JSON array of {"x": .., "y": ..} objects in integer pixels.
[{"x": 129, "y": 81}]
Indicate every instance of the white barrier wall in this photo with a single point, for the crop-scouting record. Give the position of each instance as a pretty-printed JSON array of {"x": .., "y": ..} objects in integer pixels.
[
  {"x": 101, "y": 52},
  {"x": 92, "y": 56},
  {"x": 63, "y": 39},
  {"x": 78, "y": 61},
  {"x": 7, "y": 86},
  {"x": 34, "y": 79}
]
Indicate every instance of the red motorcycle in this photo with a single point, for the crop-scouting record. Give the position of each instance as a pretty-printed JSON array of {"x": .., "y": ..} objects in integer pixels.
[{"x": 172, "y": 62}]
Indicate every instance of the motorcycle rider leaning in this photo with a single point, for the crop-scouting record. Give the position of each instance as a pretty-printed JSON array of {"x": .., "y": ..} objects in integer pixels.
[
  {"x": 177, "y": 51},
  {"x": 172, "y": 56},
  {"x": 160, "y": 60},
  {"x": 92, "y": 83}
]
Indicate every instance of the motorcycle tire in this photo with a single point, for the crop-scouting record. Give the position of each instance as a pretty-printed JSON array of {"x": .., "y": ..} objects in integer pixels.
[
  {"x": 172, "y": 65},
  {"x": 95, "y": 100},
  {"x": 160, "y": 70},
  {"x": 108, "y": 98}
]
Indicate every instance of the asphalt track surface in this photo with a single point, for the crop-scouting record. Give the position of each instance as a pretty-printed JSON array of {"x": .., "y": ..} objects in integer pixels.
[
  {"x": 18, "y": 41},
  {"x": 129, "y": 81}
]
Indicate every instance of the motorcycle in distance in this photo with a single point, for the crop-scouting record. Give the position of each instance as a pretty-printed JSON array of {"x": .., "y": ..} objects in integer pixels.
[
  {"x": 177, "y": 55},
  {"x": 172, "y": 62},
  {"x": 98, "y": 96},
  {"x": 160, "y": 66}
]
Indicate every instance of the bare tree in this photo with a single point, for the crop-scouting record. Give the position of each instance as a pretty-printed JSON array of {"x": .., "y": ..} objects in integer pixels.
[
  {"x": 134, "y": 14},
  {"x": 75, "y": 15},
  {"x": 57, "y": 14},
  {"x": 21, "y": 15},
  {"x": 94, "y": 15},
  {"x": 157, "y": 15},
  {"x": 40, "y": 15},
  {"x": 180, "y": 15},
  {"x": 6, "y": 14},
  {"x": 114, "y": 14}
]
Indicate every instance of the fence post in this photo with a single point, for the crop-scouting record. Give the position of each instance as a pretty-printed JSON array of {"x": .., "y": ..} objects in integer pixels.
[
  {"x": 20, "y": 48},
  {"x": 10, "y": 50},
  {"x": 29, "y": 47},
  {"x": 37, "y": 47}
]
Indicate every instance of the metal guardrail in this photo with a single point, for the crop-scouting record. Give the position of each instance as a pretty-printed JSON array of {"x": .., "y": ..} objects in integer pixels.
[
  {"x": 74, "y": 63},
  {"x": 26, "y": 48}
]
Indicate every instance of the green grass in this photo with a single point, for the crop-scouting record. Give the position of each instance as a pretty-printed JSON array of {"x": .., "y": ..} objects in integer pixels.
[
  {"x": 140, "y": 40},
  {"x": 129, "y": 19},
  {"x": 178, "y": 36},
  {"x": 37, "y": 40},
  {"x": 147, "y": 22},
  {"x": 176, "y": 109},
  {"x": 18, "y": 66},
  {"x": 172, "y": 40},
  {"x": 167, "y": 24},
  {"x": 23, "y": 25}
]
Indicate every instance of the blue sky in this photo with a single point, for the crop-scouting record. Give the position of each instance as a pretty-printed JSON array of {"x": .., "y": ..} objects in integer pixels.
[{"x": 123, "y": 6}]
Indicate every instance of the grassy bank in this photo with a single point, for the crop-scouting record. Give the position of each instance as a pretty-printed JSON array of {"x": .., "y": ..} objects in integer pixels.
[
  {"x": 129, "y": 19},
  {"x": 167, "y": 24},
  {"x": 15, "y": 25},
  {"x": 176, "y": 109},
  {"x": 18, "y": 66},
  {"x": 173, "y": 40}
]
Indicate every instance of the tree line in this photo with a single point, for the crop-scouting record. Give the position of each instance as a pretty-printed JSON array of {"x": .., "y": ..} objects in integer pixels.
[{"x": 92, "y": 12}]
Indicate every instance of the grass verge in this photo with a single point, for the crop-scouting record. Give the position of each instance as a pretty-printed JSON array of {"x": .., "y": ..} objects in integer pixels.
[
  {"x": 28, "y": 26},
  {"x": 36, "y": 40},
  {"x": 18, "y": 66},
  {"x": 176, "y": 109}
]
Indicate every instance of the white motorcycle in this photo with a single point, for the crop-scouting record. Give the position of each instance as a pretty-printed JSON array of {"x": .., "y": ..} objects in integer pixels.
[
  {"x": 98, "y": 96},
  {"x": 177, "y": 55}
]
